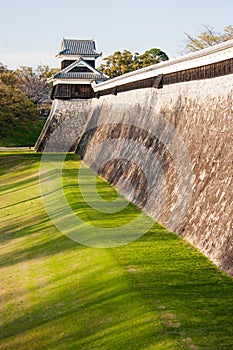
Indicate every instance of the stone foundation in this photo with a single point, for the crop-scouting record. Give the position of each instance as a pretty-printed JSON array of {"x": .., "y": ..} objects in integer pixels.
[
  {"x": 168, "y": 150},
  {"x": 201, "y": 113}
]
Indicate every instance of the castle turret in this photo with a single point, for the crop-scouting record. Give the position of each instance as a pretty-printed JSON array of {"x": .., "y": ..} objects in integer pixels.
[{"x": 77, "y": 70}]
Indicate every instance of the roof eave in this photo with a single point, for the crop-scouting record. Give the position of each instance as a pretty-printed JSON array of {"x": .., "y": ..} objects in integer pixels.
[{"x": 61, "y": 55}]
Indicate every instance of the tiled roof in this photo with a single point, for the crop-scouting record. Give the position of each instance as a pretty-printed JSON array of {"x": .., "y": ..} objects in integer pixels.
[
  {"x": 78, "y": 47},
  {"x": 76, "y": 63},
  {"x": 66, "y": 73},
  {"x": 77, "y": 75}
]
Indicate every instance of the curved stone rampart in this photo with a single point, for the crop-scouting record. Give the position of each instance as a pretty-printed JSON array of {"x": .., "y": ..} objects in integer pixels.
[
  {"x": 169, "y": 150},
  {"x": 201, "y": 113},
  {"x": 72, "y": 115}
]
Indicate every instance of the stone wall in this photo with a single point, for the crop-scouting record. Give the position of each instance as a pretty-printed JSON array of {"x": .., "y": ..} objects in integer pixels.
[
  {"x": 64, "y": 126},
  {"x": 170, "y": 152}
]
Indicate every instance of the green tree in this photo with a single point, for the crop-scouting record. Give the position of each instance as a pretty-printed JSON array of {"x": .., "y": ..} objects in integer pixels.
[
  {"x": 15, "y": 106},
  {"x": 8, "y": 77},
  {"x": 118, "y": 63},
  {"x": 150, "y": 57},
  {"x": 123, "y": 62},
  {"x": 19, "y": 122},
  {"x": 208, "y": 37}
]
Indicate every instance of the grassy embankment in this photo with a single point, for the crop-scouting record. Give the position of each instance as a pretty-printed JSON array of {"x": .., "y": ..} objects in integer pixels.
[
  {"x": 21, "y": 134},
  {"x": 155, "y": 293}
]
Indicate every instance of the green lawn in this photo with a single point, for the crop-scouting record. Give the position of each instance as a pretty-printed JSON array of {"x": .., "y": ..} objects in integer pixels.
[
  {"x": 23, "y": 133},
  {"x": 155, "y": 293}
]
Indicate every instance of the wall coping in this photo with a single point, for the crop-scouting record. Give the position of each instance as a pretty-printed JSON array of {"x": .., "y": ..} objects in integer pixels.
[{"x": 213, "y": 54}]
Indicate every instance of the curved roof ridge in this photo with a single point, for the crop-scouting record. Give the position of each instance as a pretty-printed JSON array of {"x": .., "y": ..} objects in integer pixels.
[{"x": 79, "y": 47}]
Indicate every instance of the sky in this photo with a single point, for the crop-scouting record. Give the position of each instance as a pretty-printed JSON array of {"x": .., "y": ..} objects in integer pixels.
[{"x": 31, "y": 31}]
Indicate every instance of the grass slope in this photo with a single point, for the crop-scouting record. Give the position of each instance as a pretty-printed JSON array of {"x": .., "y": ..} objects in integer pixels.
[
  {"x": 21, "y": 134},
  {"x": 155, "y": 293}
]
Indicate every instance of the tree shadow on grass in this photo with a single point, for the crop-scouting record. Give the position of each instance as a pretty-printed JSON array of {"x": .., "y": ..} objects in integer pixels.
[
  {"x": 11, "y": 162},
  {"x": 168, "y": 275},
  {"x": 47, "y": 246},
  {"x": 17, "y": 186},
  {"x": 20, "y": 202},
  {"x": 171, "y": 282},
  {"x": 98, "y": 311}
]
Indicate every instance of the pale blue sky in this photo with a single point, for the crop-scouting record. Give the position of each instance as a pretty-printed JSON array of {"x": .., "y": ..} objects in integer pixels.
[{"x": 31, "y": 31}]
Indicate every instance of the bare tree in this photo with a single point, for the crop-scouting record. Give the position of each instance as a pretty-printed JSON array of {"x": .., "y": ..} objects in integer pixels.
[
  {"x": 33, "y": 82},
  {"x": 208, "y": 37}
]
